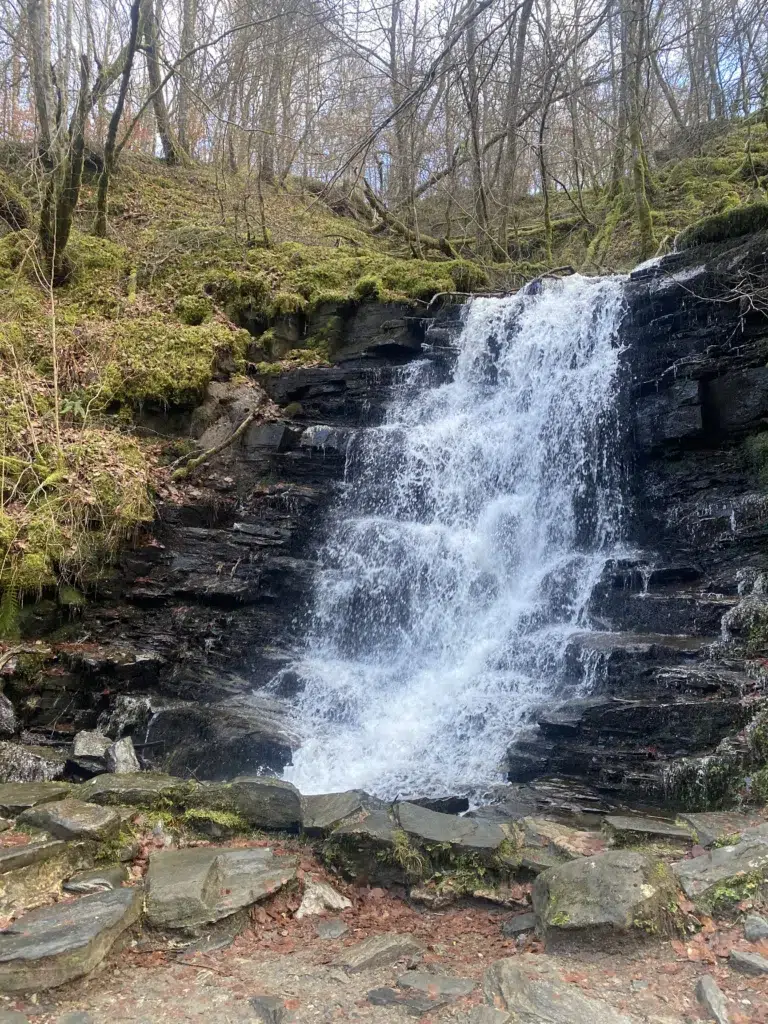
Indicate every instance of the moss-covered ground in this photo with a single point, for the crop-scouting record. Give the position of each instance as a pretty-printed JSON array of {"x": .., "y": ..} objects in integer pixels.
[{"x": 200, "y": 275}]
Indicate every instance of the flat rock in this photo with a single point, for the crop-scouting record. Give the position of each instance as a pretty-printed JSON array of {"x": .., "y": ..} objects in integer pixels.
[
  {"x": 13, "y": 1017},
  {"x": 712, "y": 999},
  {"x": 111, "y": 876},
  {"x": 710, "y": 827},
  {"x": 518, "y": 924},
  {"x": 30, "y": 874},
  {"x": 545, "y": 843},
  {"x": 748, "y": 963},
  {"x": 189, "y": 889},
  {"x": 319, "y": 897},
  {"x": 142, "y": 789},
  {"x": 90, "y": 744},
  {"x": 486, "y": 1015},
  {"x": 437, "y": 984},
  {"x": 270, "y": 1009},
  {"x": 324, "y": 812},
  {"x": 472, "y": 834},
  {"x": 51, "y": 946},
  {"x": 380, "y": 951},
  {"x": 16, "y": 797},
  {"x": 263, "y": 801},
  {"x": 616, "y": 892},
  {"x": 627, "y": 829},
  {"x": 755, "y": 928},
  {"x": 73, "y": 819},
  {"x": 538, "y": 998},
  {"x": 120, "y": 757},
  {"x": 415, "y": 1003},
  {"x": 700, "y": 875}
]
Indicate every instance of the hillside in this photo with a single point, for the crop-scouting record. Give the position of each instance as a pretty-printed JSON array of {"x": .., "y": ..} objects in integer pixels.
[{"x": 209, "y": 276}]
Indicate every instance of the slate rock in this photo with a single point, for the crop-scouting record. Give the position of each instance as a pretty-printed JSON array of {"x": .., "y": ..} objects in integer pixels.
[
  {"x": 748, "y": 963},
  {"x": 324, "y": 812},
  {"x": 75, "y": 1017},
  {"x": 486, "y": 1015},
  {"x": 54, "y": 945},
  {"x": 319, "y": 897},
  {"x": 627, "y": 829},
  {"x": 712, "y": 999},
  {"x": 5, "y": 824},
  {"x": 30, "y": 874},
  {"x": 700, "y": 875},
  {"x": 330, "y": 928},
  {"x": 121, "y": 758},
  {"x": 13, "y": 1017},
  {"x": 518, "y": 924},
  {"x": 263, "y": 801},
  {"x": 189, "y": 889},
  {"x": 755, "y": 928},
  {"x": 88, "y": 755},
  {"x": 415, "y": 1003},
  {"x": 543, "y": 843},
  {"x": 380, "y": 951},
  {"x": 540, "y": 998},
  {"x": 616, "y": 892},
  {"x": 16, "y": 797},
  {"x": 73, "y": 819},
  {"x": 712, "y": 827},
  {"x": 97, "y": 879},
  {"x": 270, "y": 1009},
  {"x": 142, "y": 789},
  {"x": 437, "y": 984},
  {"x": 470, "y": 834}
]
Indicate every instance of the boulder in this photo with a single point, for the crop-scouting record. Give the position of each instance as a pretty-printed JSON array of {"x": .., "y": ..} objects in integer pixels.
[
  {"x": 31, "y": 874},
  {"x": 721, "y": 873},
  {"x": 142, "y": 789},
  {"x": 755, "y": 928},
  {"x": 319, "y": 897},
  {"x": 748, "y": 963},
  {"x": 54, "y": 945},
  {"x": 19, "y": 763},
  {"x": 381, "y": 951},
  {"x": 16, "y": 797},
  {"x": 263, "y": 801},
  {"x": 599, "y": 898},
  {"x": 365, "y": 850},
  {"x": 88, "y": 755},
  {"x": 538, "y": 996},
  {"x": 121, "y": 758},
  {"x": 73, "y": 819},
  {"x": 189, "y": 889}
]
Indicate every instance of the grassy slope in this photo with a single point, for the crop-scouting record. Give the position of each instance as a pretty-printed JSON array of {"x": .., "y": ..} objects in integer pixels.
[{"x": 150, "y": 315}]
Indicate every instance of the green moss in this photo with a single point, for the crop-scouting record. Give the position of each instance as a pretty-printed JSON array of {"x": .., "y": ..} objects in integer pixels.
[
  {"x": 560, "y": 919},
  {"x": 14, "y": 208},
  {"x": 229, "y": 821},
  {"x": 286, "y": 304},
  {"x": 193, "y": 309},
  {"x": 740, "y": 220},
  {"x": 468, "y": 277},
  {"x": 406, "y": 855},
  {"x": 726, "y": 894},
  {"x": 756, "y": 450},
  {"x": 369, "y": 287}
]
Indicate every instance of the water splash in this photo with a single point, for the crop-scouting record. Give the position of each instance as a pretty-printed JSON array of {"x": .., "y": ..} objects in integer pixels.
[{"x": 474, "y": 523}]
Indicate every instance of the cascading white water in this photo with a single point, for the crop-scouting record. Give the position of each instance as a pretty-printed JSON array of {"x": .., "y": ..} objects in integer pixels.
[{"x": 473, "y": 526}]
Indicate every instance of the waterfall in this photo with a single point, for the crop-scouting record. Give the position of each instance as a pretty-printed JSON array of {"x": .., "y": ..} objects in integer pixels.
[{"x": 473, "y": 525}]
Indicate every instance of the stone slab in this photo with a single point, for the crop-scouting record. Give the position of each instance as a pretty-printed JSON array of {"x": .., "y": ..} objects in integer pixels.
[
  {"x": 30, "y": 874},
  {"x": 748, "y": 963},
  {"x": 263, "y": 801},
  {"x": 539, "y": 998},
  {"x": 16, "y": 797},
  {"x": 700, "y": 875},
  {"x": 143, "y": 789},
  {"x": 712, "y": 999},
  {"x": 711, "y": 827},
  {"x": 73, "y": 819},
  {"x": 323, "y": 812},
  {"x": 435, "y": 827},
  {"x": 381, "y": 951},
  {"x": 628, "y": 829},
  {"x": 189, "y": 889},
  {"x": 54, "y": 945},
  {"x": 437, "y": 984},
  {"x": 109, "y": 876}
]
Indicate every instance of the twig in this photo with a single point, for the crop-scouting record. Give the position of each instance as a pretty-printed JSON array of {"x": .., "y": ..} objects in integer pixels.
[{"x": 183, "y": 473}]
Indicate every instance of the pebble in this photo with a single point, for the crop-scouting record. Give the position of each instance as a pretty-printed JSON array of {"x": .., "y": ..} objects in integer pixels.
[
  {"x": 270, "y": 1009},
  {"x": 331, "y": 928}
]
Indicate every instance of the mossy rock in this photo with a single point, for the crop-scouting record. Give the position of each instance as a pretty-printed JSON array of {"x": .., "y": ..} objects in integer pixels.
[
  {"x": 616, "y": 894},
  {"x": 740, "y": 220},
  {"x": 193, "y": 310}
]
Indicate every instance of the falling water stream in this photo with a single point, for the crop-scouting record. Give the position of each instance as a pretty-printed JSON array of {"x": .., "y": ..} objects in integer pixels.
[{"x": 460, "y": 557}]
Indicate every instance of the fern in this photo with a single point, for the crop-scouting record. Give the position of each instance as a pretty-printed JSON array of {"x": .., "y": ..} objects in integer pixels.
[{"x": 9, "y": 613}]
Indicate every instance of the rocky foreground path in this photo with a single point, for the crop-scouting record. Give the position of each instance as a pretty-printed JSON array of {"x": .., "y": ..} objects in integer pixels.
[{"x": 147, "y": 899}]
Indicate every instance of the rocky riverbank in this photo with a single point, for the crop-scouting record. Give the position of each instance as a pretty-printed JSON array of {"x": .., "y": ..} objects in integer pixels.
[{"x": 147, "y": 898}]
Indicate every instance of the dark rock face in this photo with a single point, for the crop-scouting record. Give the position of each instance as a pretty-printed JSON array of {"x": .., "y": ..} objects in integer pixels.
[{"x": 664, "y": 692}]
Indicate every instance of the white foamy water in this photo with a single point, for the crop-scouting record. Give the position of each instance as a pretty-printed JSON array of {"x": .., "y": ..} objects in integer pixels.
[{"x": 460, "y": 558}]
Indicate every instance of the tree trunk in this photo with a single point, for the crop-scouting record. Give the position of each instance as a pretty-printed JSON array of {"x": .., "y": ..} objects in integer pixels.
[
  {"x": 171, "y": 151},
  {"x": 187, "y": 42}
]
